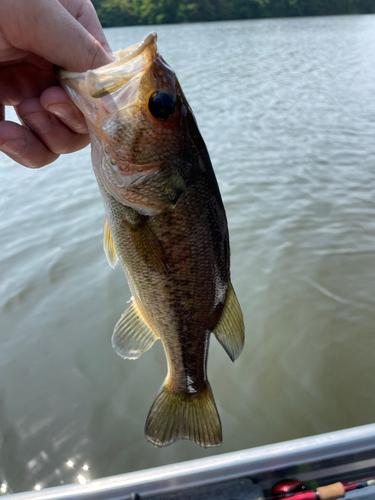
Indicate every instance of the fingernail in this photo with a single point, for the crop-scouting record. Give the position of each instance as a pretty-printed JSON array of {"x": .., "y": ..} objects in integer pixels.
[
  {"x": 39, "y": 122},
  {"x": 66, "y": 112},
  {"x": 81, "y": 128},
  {"x": 63, "y": 111},
  {"x": 14, "y": 146}
]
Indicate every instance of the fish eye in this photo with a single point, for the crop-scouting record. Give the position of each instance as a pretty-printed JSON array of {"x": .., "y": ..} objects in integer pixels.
[{"x": 161, "y": 105}]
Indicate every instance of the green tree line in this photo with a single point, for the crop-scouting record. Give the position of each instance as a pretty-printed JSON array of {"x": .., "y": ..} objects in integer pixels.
[{"x": 133, "y": 12}]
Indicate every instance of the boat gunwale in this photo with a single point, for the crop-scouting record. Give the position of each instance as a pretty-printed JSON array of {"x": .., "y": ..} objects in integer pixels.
[{"x": 221, "y": 467}]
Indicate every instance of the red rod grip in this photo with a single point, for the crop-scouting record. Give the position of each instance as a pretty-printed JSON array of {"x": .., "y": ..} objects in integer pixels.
[{"x": 305, "y": 495}]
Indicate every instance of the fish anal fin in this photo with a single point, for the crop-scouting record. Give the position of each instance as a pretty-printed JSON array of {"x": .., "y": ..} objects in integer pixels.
[
  {"x": 132, "y": 336},
  {"x": 181, "y": 415},
  {"x": 230, "y": 330},
  {"x": 108, "y": 245}
]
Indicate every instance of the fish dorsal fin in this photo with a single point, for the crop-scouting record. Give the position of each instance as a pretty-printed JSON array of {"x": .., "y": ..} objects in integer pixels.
[
  {"x": 108, "y": 245},
  {"x": 230, "y": 330},
  {"x": 132, "y": 336}
]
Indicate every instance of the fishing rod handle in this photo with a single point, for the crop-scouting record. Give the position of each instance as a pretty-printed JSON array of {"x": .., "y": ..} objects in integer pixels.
[{"x": 331, "y": 492}]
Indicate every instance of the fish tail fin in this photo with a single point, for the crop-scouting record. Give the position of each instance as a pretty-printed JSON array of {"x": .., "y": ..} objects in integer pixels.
[{"x": 181, "y": 415}]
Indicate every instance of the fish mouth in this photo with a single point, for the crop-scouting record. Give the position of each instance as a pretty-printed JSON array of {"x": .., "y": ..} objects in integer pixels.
[{"x": 127, "y": 64}]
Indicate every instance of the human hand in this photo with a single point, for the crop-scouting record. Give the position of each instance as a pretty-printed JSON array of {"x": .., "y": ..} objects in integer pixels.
[{"x": 34, "y": 36}]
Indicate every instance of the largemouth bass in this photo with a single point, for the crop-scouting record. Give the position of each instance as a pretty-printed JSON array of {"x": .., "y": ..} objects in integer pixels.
[{"x": 166, "y": 224}]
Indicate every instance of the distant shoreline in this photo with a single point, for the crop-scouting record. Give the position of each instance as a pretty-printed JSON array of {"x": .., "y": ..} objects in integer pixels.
[{"x": 114, "y": 13}]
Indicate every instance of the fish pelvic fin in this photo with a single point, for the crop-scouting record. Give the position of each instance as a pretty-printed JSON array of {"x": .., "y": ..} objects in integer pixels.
[
  {"x": 108, "y": 245},
  {"x": 132, "y": 336},
  {"x": 230, "y": 330},
  {"x": 182, "y": 415}
]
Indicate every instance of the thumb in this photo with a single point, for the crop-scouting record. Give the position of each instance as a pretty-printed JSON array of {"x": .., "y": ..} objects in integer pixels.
[{"x": 47, "y": 29}]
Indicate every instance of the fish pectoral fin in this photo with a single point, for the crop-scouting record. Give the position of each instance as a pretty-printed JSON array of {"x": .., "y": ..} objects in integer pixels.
[
  {"x": 108, "y": 245},
  {"x": 132, "y": 336},
  {"x": 182, "y": 415},
  {"x": 157, "y": 191},
  {"x": 230, "y": 330},
  {"x": 149, "y": 248}
]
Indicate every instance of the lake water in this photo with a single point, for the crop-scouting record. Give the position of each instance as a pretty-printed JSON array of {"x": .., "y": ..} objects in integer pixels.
[{"x": 287, "y": 109}]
